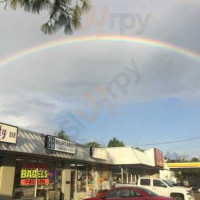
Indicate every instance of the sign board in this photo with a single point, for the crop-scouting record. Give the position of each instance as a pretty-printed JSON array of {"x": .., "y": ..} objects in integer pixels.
[
  {"x": 8, "y": 133},
  {"x": 159, "y": 159},
  {"x": 30, "y": 172},
  {"x": 98, "y": 153},
  {"x": 57, "y": 144}
]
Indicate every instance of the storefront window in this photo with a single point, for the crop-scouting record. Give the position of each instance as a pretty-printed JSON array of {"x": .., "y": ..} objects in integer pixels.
[
  {"x": 90, "y": 189},
  {"x": 81, "y": 181},
  {"x": 105, "y": 179},
  {"x": 58, "y": 178},
  {"x": 37, "y": 179},
  {"x": 24, "y": 179}
]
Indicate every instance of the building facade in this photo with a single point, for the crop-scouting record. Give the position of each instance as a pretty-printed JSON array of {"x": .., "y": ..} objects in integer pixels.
[{"x": 43, "y": 167}]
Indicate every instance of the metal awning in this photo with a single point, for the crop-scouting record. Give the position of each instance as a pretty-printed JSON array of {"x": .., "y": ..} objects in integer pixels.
[{"x": 32, "y": 143}]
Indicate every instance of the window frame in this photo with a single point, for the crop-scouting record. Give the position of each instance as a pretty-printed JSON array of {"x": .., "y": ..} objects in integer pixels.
[
  {"x": 163, "y": 185},
  {"x": 147, "y": 179}
]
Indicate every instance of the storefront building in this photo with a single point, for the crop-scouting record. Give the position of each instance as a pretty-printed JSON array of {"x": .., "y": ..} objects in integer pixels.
[
  {"x": 130, "y": 164},
  {"x": 43, "y": 167}
]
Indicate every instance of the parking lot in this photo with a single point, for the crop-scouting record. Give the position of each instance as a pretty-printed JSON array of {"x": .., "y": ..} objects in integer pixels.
[{"x": 197, "y": 196}]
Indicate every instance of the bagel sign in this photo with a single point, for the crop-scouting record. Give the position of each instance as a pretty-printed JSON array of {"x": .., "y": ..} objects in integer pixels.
[{"x": 30, "y": 172}]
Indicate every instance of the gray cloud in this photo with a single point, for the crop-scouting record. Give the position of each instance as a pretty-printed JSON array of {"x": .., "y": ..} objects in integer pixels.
[{"x": 38, "y": 88}]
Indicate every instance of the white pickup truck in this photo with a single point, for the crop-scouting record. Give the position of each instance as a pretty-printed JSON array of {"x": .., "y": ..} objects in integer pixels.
[{"x": 165, "y": 188}]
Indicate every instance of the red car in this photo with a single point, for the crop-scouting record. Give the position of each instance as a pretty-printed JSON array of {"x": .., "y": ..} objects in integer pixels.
[{"x": 130, "y": 193}]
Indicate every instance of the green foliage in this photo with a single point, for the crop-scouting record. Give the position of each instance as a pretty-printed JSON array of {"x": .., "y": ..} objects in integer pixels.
[
  {"x": 115, "y": 143},
  {"x": 13, "y": 4},
  {"x": 195, "y": 159},
  {"x": 76, "y": 17},
  {"x": 64, "y": 14},
  {"x": 62, "y": 135},
  {"x": 93, "y": 144},
  {"x": 68, "y": 29},
  {"x": 86, "y": 5},
  {"x": 47, "y": 29}
]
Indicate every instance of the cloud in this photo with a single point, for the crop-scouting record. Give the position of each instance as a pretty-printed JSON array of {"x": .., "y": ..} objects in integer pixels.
[{"x": 36, "y": 90}]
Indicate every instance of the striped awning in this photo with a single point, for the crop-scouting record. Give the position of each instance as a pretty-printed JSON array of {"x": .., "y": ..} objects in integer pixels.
[{"x": 32, "y": 143}]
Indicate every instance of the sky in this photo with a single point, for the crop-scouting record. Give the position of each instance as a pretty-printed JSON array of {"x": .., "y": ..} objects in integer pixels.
[{"x": 95, "y": 90}]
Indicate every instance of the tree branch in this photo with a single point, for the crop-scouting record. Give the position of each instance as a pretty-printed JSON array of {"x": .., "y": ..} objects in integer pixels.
[
  {"x": 4, "y": 1},
  {"x": 64, "y": 11},
  {"x": 57, "y": 8}
]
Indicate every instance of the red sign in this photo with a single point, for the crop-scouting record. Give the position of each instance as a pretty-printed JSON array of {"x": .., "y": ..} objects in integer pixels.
[
  {"x": 34, "y": 165},
  {"x": 159, "y": 159},
  {"x": 26, "y": 182}
]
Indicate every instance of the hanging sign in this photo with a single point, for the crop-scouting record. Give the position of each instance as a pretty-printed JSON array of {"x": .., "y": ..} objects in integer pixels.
[
  {"x": 8, "y": 133},
  {"x": 57, "y": 144},
  {"x": 98, "y": 153}
]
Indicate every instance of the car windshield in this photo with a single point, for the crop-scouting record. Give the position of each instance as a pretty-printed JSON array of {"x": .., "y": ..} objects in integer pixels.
[
  {"x": 168, "y": 183},
  {"x": 149, "y": 192}
]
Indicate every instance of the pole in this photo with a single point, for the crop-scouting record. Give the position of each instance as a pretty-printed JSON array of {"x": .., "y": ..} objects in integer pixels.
[
  {"x": 87, "y": 171},
  {"x": 75, "y": 189},
  {"x": 127, "y": 176},
  {"x": 122, "y": 175},
  {"x": 131, "y": 178},
  {"x": 36, "y": 180}
]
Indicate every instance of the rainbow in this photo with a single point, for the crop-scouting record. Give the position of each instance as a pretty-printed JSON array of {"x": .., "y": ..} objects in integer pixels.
[{"x": 104, "y": 38}]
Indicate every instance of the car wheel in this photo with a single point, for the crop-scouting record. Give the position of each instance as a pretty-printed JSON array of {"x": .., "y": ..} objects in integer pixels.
[{"x": 177, "y": 197}]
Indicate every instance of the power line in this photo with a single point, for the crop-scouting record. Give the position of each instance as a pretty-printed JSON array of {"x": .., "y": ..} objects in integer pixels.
[{"x": 170, "y": 142}]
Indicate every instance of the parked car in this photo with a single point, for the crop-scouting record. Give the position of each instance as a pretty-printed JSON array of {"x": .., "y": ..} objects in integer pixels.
[
  {"x": 165, "y": 188},
  {"x": 129, "y": 193},
  {"x": 101, "y": 193}
]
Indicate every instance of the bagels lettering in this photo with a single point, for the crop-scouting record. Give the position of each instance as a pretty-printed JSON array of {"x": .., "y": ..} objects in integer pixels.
[{"x": 32, "y": 173}]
